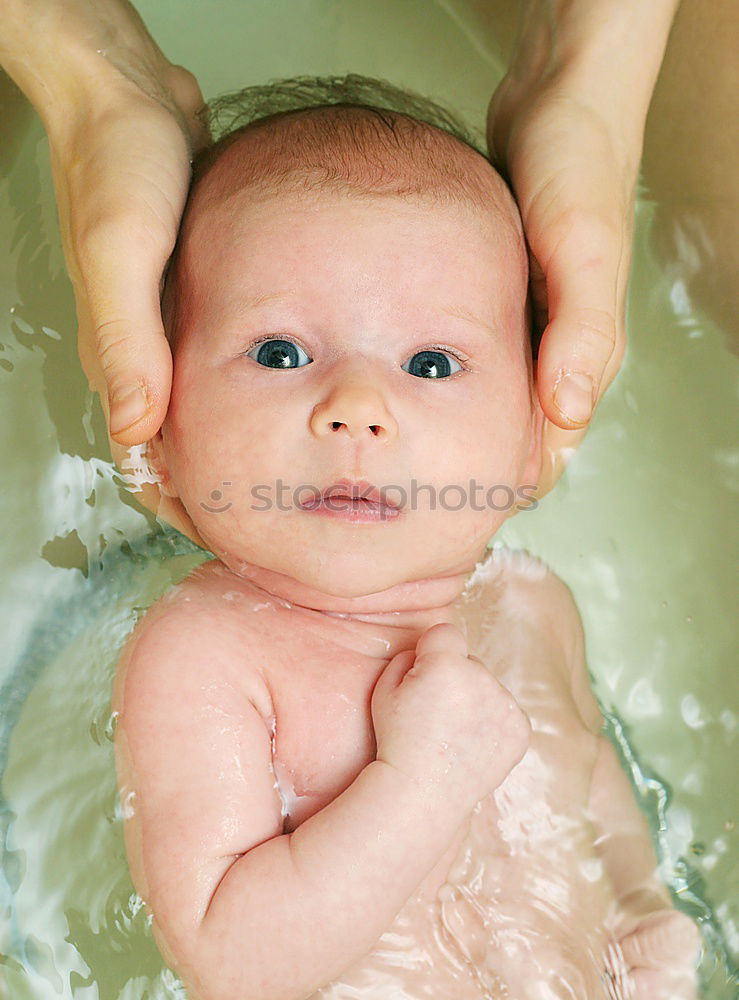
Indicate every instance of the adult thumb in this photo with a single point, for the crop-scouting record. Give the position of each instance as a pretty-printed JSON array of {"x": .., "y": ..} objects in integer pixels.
[
  {"x": 583, "y": 344},
  {"x": 139, "y": 379},
  {"x": 125, "y": 352}
]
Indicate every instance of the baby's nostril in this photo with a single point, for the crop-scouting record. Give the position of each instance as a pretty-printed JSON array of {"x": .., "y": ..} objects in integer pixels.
[{"x": 336, "y": 424}]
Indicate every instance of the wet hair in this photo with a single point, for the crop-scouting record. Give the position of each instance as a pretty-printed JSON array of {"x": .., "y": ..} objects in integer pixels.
[
  {"x": 231, "y": 111},
  {"x": 356, "y": 133},
  {"x": 353, "y": 135}
]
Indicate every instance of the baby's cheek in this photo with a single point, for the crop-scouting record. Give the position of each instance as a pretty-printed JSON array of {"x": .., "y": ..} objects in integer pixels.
[{"x": 189, "y": 464}]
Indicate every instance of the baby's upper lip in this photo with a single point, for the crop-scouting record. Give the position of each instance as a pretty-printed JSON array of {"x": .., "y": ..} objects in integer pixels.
[{"x": 356, "y": 489}]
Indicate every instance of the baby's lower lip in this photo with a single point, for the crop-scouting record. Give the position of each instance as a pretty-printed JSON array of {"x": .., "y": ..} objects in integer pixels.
[{"x": 348, "y": 509}]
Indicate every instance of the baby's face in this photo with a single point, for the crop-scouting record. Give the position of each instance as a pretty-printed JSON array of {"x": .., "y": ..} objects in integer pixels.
[{"x": 324, "y": 338}]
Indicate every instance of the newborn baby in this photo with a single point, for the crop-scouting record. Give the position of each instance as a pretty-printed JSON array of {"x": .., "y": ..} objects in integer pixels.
[{"x": 358, "y": 753}]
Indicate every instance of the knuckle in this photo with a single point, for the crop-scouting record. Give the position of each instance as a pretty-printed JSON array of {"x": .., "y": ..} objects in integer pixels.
[
  {"x": 102, "y": 238},
  {"x": 185, "y": 87},
  {"x": 112, "y": 342},
  {"x": 442, "y": 638},
  {"x": 595, "y": 342},
  {"x": 437, "y": 663},
  {"x": 597, "y": 331}
]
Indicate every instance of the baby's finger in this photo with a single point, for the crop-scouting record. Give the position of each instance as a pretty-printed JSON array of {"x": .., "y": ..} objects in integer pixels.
[
  {"x": 442, "y": 638},
  {"x": 389, "y": 681}
]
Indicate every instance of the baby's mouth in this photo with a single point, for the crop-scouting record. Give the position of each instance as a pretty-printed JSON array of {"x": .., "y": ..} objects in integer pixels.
[{"x": 352, "y": 500}]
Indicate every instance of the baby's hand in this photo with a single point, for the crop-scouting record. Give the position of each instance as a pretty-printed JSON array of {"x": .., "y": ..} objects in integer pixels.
[
  {"x": 441, "y": 718},
  {"x": 657, "y": 960}
]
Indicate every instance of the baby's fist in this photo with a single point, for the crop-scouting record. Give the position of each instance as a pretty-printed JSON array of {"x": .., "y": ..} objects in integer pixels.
[{"x": 442, "y": 718}]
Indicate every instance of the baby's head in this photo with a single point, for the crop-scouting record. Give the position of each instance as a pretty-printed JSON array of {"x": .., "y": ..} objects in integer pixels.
[{"x": 347, "y": 301}]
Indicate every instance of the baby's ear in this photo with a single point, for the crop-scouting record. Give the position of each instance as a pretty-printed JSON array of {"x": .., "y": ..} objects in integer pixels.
[{"x": 157, "y": 462}]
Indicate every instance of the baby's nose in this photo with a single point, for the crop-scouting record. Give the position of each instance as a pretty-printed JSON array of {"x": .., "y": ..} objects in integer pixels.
[{"x": 356, "y": 409}]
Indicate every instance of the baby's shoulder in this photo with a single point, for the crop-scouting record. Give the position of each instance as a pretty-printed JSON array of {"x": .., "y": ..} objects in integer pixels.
[
  {"x": 196, "y": 634},
  {"x": 531, "y": 614},
  {"x": 517, "y": 588},
  {"x": 213, "y": 594}
]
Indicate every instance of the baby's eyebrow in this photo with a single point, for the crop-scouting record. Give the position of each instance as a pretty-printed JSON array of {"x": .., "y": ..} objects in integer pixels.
[
  {"x": 461, "y": 313},
  {"x": 458, "y": 312},
  {"x": 260, "y": 300}
]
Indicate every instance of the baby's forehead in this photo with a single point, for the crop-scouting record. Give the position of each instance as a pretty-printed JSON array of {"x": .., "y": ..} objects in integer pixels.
[
  {"x": 340, "y": 154},
  {"x": 354, "y": 151}
]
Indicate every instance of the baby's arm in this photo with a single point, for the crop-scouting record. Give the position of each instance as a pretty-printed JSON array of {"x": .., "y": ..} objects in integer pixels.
[
  {"x": 657, "y": 945},
  {"x": 240, "y": 909}
]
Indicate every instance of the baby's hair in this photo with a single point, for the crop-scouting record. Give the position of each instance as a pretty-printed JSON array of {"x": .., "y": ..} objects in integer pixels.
[
  {"x": 351, "y": 134},
  {"x": 229, "y": 112}
]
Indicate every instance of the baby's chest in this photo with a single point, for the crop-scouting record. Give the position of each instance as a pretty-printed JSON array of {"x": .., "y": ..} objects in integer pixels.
[
  {"x": 324, "y": 738},
  {"x": 323, "y": 734}
]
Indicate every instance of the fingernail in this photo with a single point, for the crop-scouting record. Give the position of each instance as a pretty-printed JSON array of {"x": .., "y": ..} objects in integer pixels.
[
  {"x": 128, "y": 405},
  {"x": 574, "y": 397}
]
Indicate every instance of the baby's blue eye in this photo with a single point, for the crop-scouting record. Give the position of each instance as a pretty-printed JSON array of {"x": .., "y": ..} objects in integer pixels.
[
  {"x": 279, "y": 354},
  {"x": 431, "y": 364}
]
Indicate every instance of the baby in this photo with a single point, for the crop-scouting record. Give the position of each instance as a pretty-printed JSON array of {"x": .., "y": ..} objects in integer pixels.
[{"x": 358, "y": 753}]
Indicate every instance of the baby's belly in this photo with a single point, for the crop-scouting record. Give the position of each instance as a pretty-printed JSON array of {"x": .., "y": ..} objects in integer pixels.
[{"x": 494, "y": 926}]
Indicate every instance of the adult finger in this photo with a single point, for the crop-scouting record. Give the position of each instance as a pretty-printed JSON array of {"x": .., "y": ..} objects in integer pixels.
[{"x": 190, "y": 103}]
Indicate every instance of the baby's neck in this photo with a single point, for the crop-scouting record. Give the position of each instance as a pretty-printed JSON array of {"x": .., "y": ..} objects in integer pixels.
[{"x": 415, "y": 605}]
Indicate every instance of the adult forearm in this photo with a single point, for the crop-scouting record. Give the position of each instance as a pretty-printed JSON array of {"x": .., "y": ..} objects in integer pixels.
[
  {"x": 26, "y": 29},
  {"x": 293, "y": 913},
  {"x": 61, "y": 53},
  {"x": 614, "y": 48}
]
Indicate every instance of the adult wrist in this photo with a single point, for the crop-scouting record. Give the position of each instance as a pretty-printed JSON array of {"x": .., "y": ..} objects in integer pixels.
[
  {"x": 601, "y": 42},
  {"x": 70, "y": 58},
  {"x": 600, "y": 56}
]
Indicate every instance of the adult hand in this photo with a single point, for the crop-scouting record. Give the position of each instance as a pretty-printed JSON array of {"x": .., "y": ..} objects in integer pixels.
[
  {"x": 122, "y": 126},
  {"x": 565, "y": 127}
]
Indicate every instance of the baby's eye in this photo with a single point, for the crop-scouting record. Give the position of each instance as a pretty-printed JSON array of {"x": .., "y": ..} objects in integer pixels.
[
  {"x": 431, "y": 364},
  {"x": 279, "y": 354}
]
